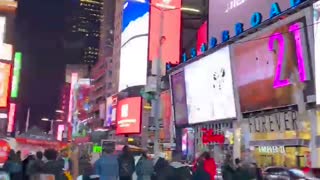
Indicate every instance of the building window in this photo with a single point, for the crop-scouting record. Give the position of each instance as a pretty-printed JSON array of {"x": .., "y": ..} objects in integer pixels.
[
  {"x": 110, "y": 85},
  {"x": 110, "y": 73}
]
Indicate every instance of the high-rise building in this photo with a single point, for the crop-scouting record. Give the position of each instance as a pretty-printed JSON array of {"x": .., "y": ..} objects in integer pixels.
[
  {"x": 83, "y": 29},
  {"x": 105, "y": 72}
]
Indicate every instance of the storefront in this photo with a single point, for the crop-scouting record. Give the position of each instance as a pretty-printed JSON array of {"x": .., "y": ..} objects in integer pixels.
[{"x": 277, "y": 138}]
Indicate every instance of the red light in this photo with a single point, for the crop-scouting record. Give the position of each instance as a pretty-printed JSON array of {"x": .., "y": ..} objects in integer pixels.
[
  {"x": 209, "y": 137},
  {"x": 11, "y": 118}
]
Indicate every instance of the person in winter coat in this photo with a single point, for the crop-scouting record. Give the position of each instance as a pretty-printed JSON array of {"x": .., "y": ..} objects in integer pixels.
[
  {"x": 53, "y": 166},
  {"x": 209, "y": 165},
  {"x": 162, "y": 169},
  {"x": 13, "y": 166},
  {"x": 35, "y": 167},
  {"x": 227, "y": 168},
  {"x": 107, "y": 166},
  {"x": 85, "y": 167},
  {"x": 144, "y": 167},
  {"x": 25, "y": 164},
  {"x": 126, "y": 164},
  {"x": 199, "y": 172}
]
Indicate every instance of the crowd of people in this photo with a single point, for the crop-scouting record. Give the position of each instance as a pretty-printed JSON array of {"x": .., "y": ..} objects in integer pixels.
[
  {"x": 47, "y": 162},
  {"x": 124, "y": 166}
]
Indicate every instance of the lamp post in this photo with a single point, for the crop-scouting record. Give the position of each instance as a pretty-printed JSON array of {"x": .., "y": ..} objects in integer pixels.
[
  {"x": 156, "y": 102},
  {"x": 51, "y": 123}
]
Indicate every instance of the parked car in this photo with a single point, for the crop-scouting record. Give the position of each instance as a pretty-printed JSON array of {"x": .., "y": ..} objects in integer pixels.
[{"x": 283, "y": 173}]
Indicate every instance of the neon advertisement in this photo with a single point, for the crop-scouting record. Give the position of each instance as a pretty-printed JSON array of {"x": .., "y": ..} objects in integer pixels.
[
  {"x": 11, "y": 119},
  {"x": 279, "y": 60},
  {"x": 16, "y": 75},
  {"x": 294, "y": 29},
  {"x": 4, "y": 83},
  {"x": 208, "y": 137}
]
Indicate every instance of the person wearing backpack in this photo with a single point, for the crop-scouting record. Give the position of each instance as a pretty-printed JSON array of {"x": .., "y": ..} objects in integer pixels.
[
  {"x": 126, "y": 164},
  {"x": 144, "y": 168}
]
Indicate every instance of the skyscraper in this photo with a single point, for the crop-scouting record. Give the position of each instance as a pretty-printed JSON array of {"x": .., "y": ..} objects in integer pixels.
[{"x": 83, "y": 30}]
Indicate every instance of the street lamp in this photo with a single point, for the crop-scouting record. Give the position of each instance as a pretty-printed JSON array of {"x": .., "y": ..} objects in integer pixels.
[
  {"x": 51, "y": 123},
  {"x": 59, "y": 111},
  {"x": 156, "y": 102}
]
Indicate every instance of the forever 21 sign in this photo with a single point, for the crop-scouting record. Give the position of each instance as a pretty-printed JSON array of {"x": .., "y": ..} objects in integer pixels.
[{"x": 276, "y": 122}]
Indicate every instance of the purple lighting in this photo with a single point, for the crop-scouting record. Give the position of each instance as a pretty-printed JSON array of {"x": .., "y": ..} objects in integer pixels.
[
  {"x": 295, "y": 30},
  {"x": 278, "y": 82}
]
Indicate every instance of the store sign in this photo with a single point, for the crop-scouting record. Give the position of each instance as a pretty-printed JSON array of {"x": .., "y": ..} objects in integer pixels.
[
  {"x": 255, "y": 20},
  {"x": 272, "y": 149},
  {"x": 209, "y": 137},
  {"x": 276, "y": 122}
]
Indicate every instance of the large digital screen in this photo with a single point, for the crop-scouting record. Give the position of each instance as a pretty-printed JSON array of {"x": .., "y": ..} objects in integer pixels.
[
  {"x": 316, "y": 31},
  {"x": 129, "y": 116},
  {"x": 111, "y": 108},
  {"x": 238, "y": 12},
  {"x": 209, "y": 88},
  {"x": 271, "y": 66},
  {"x": 4, "y": 83},
  {"x": 134, "y": 44},
  {"x": 179, "y": 99},
  {"x": 171, "y": 29}
]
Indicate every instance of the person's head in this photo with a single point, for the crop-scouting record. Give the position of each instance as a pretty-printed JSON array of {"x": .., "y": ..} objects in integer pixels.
[
  {"x": 237, "y": 161},
  {"x": 39, "y": 155},
  {"x": 125, "y": 150},
  {"x": 64, "y": 153},
  {"x": 51, "y": 154},
  {"x": 206, "y": 155},
  {"x": 18, "y": 154},
  {"x": 12, "y": 155},
  {"x": 108, "y": 150}
]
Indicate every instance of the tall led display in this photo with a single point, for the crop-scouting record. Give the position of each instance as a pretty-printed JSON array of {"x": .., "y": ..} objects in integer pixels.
[
  {"x": 134, "y": 44},
  {"x": 11, "y": 118},
  {"x": 171, "y": 28},
  {"x": 316, "y": 31},
  {"x": 74, "y": 79},
  {"x": 4, "y": 84},
  {"x": 16, "y": 75}
]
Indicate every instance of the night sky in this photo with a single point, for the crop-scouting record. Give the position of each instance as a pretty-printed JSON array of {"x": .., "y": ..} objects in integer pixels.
[{"x": 39, "y": 36}]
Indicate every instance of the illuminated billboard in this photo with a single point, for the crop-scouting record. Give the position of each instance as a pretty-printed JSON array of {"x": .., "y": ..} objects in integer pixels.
[
  {"x": 171, "y": 30},
  {"x": 11, "y": 119},
  {"x": 129, "y": 116},
  {"x": 278, "y": 67},
  {"x": 134, "y": 44},
  {"x": 6, "y": 51},
  {"x": 241, "y": 15},
  {"x": 81, "y": 103},
  {"x": 4, "y": 83},
  {"x": 212, "y": 97},
  {"x": 16, "y": 75}
]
